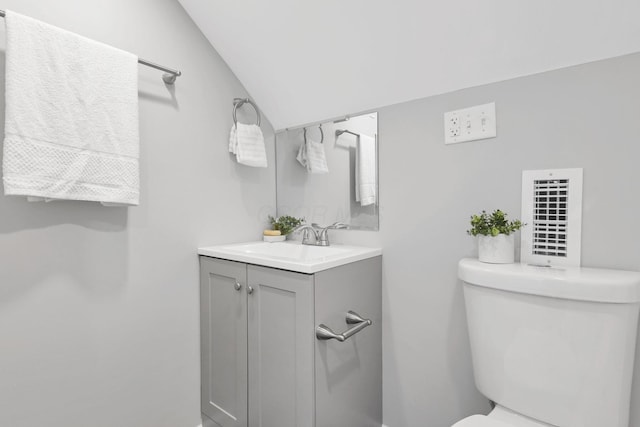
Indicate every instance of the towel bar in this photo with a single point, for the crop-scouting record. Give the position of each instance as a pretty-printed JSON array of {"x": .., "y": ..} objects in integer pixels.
[
  {"x": 169, "y": 77},
  {"x": 323, "y": 332}
]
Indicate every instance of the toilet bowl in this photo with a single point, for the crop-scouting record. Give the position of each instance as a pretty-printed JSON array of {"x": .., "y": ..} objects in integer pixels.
[{"x": 546, "y": 342}]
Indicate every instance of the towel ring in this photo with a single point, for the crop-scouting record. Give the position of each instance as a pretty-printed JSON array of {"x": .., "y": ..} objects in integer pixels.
[
  {"x": 239, "y": 102},
  {"x": 321, "y": 134}
]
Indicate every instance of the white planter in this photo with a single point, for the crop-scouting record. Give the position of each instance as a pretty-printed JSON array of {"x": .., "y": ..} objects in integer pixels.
[{"x": 496, "y": 250}]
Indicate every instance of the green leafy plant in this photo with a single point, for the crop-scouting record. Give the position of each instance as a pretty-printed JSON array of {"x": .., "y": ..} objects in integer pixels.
[
  {"x": 286, "y": 224},
  {"x": 494, "y": 224}
]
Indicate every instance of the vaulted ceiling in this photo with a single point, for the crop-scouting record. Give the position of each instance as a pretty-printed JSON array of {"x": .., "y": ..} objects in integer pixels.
[{"x": 304, "y": 61}]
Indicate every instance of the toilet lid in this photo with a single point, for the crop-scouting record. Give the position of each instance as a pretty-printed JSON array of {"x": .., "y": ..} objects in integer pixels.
[{"x": 480, "y": 421}]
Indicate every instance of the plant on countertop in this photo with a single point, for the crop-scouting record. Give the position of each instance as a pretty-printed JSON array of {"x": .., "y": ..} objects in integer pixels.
[
  {"x": 286, "y": 224},
  {"x": 494, "y": 224}
]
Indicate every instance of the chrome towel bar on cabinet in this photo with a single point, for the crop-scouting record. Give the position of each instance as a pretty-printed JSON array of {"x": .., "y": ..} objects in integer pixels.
[{"x": 323, "y": 332}]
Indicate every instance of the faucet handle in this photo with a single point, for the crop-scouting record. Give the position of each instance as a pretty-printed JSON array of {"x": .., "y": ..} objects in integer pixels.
[
  {"x": 338, "y": 225},
  {"x": 335, "y": 225}
]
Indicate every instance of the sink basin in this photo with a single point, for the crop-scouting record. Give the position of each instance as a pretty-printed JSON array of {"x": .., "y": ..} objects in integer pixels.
[
  {"x": 291, "y": 255},
  {"x": 288, "y": 251}
]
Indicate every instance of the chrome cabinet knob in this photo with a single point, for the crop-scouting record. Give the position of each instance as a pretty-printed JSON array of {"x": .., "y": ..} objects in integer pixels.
[
  {"x": 249, "y": 290},
  {"x": 237, "y": 286}
]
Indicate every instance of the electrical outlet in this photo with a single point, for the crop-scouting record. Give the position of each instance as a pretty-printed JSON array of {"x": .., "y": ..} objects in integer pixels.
[
  {"x": 470, "y": 124},
  {"x": 452, "y": 125}
]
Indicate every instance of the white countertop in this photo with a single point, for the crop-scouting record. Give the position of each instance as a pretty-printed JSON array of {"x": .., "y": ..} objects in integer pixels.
[{"x": 291, "y": 256}]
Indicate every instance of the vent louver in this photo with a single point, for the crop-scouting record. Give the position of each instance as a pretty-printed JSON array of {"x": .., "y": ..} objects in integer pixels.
[
  {"x": 552, "y": 208},
  {"x": 550, "y": 217}
]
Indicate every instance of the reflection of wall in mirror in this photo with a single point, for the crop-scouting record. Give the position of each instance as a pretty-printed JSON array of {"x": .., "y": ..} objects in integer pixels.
[{"x": 325, "y": 198}]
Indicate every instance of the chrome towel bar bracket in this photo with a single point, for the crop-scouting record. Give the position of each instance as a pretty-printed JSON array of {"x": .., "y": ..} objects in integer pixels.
[{"x": 323, "y": 332}]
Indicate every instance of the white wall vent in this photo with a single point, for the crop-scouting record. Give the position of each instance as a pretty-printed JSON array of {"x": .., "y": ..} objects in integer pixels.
[{"x": 552, "y": 210}]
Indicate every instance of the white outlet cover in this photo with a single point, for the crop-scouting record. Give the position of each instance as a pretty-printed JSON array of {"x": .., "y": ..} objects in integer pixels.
[{"x": 470, "y": 124}]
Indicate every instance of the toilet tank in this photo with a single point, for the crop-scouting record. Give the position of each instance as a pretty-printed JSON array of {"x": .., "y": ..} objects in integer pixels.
[{"x": 554, "y": 344}]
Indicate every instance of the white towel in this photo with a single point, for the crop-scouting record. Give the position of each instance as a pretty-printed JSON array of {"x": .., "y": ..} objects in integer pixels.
[
  {"x": 366, "y": 170},
  {"x": 71, "y": 120},
  {"x": 247, "y": 143},
  {"x": 311, "y": 155},
  {"x": 301, "y": 157}
]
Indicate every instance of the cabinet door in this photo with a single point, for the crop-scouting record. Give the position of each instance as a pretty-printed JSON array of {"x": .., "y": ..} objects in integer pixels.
[
  {"x": 223, "y": 328},
  {"x": 280, "y": 348}
]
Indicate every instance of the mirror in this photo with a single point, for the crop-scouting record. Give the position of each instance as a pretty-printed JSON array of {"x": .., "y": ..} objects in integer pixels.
[{"x": 345, "y": 188}]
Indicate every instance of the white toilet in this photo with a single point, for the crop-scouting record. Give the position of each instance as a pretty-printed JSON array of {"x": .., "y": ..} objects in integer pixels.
[{"x": 551, "y": 346}]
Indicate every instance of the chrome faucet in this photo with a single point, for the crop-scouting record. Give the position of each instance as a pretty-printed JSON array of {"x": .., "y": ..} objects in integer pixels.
[
  {"x": 323, "y": 232},
  {"x": 320, "y": 234}
]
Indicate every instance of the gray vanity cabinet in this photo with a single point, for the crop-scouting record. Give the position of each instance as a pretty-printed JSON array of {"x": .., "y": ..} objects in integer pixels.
[
  {"x": 223, "y": 342},
  {"x": 262, "y": 365}
]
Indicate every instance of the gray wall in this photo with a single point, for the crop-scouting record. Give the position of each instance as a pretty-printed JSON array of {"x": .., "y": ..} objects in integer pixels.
[
  {"x": 584, "y": 116},
  {"x": 99, "y": 306}
]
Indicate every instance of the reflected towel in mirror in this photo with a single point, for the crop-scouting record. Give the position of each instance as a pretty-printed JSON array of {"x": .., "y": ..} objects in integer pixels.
[
  {"x": 311, "y": 156},
  {"x": 366, "y": 170}
]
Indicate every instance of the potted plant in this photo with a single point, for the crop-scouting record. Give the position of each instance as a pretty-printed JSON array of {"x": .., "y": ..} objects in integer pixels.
[
  {"x": 281, "y": 227},
  {"x": 495, "y": 236}
]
